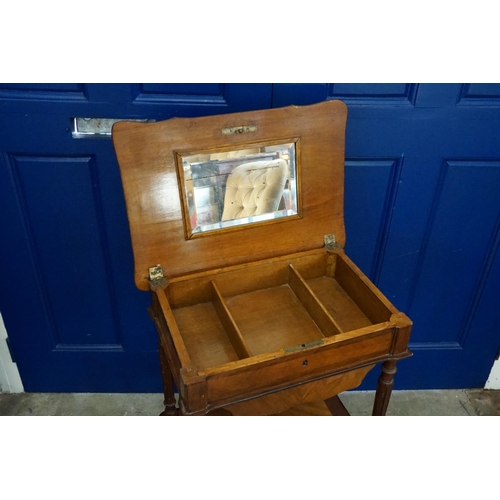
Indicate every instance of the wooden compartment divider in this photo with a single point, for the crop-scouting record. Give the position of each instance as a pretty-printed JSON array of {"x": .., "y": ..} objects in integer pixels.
[
  {"x": 373, "y": 304},
  {"x": 172, "y": 327},
  {"x": 229, "y": 324},
  {"x": 311, "y": 303}
]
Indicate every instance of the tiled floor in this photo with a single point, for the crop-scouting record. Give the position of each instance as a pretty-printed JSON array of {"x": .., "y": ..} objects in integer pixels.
[{"x": 415, "y": 403}]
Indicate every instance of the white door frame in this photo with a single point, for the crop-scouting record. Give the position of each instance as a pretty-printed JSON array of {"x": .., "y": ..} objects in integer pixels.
[
  {"x": 10, "y": 380},
  {"x": 493, "y": 381}
]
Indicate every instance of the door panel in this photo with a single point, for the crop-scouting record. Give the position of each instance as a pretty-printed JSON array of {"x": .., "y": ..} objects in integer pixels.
[
  {"x": 451, "y": 265},
  {"x": 215, "y": 93},
  {"x": 416, "y": 188},
  {"x": 371, "y": 184},
  {"x": 68, "y": 243},
  {"x": 426, "y": 229},
  {"x": 132, "y": 100},
  {"x": 480, "y": 93},
  {"x": 41, "y": 91},
  {"x": 379, "y": 93}
]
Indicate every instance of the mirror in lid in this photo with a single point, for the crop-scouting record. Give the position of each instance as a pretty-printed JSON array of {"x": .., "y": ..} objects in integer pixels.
[{"x": 229, "y": 189}]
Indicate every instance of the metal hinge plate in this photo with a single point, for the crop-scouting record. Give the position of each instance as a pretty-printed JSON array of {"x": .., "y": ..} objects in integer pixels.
[
  {"x": 330, "y": 242},
  {"x": 156, "y": 276}
]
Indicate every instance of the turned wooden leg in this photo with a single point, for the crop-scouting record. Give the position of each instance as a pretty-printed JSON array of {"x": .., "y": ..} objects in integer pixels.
[
  {"x": 384, "y": 388},
  {"x": 168, "y": 385}
]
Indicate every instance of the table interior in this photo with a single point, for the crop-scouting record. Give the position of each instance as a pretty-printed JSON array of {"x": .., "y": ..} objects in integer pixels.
[{"x": 262, "y": 309}]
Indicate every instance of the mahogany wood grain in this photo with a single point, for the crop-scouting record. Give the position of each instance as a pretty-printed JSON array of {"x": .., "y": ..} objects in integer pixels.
[
  {"x": 311, "y": 392},
  {"x": 168, "y": 385},
  {"x": 205, "y": 337},
  {"x": 256, "y": 319},
  {"x": 344, "y": 311},
  {"x": 251, "y": 276},
  {"x": 229, "y": 324},
  {"x": 146, "y": 156},
  {"x": 331, "y": 264},
  {"x": 165, "y": 340},
  {"x": 166, "y": 313},
  {"x": 226, "y": 384},
  {"x": 404, "y": 325},
  {"x": 313, "y": 306},
  {"x": 264, "y": 324},
  {"x": 384, "y": 388},
  {"x": 272, "y": 319},
  {"x": 316, "y": 409},
  {"x": 362, "y": 291},
  {"x": 336, "y": 407}
]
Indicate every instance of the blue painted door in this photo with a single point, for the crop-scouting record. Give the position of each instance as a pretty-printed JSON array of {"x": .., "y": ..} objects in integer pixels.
[
  {"x": 422, "y": 219},
  {"x": 422, "y": 216},
  {"x": 75, "y": 320}
]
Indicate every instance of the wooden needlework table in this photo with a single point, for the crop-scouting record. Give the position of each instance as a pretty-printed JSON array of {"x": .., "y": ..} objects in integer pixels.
[{"x": 237, "y": 227}]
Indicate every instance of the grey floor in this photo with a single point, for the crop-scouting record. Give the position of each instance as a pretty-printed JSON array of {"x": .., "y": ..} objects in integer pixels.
[{"x": 403, "y": 403}]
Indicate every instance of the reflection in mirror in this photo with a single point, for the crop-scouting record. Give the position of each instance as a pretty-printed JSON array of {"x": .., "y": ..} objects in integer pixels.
[{"x": 240, "y": 187}]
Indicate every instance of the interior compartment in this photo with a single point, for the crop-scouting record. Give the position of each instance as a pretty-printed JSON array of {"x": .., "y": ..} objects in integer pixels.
[
  {"x": 204, "y": 335},
  {"x": 241, "y": 312},
  {"x": 272, "y": 319}
]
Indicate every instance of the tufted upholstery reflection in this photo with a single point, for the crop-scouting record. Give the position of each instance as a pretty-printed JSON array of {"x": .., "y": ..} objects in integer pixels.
[{"x": 254, "y": 188}]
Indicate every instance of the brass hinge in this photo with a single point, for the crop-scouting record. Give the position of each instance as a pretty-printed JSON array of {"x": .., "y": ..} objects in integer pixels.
[
  {"x": 156, "y": 276},
  {"x": 330, "y": 242}
]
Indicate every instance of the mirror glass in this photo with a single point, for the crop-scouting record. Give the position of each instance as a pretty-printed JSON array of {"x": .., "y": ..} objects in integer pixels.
[{"x": 238, "y": 187}]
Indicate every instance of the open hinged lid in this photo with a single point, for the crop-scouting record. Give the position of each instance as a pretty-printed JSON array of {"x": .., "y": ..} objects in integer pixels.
[{"x": 209, "y": 192}]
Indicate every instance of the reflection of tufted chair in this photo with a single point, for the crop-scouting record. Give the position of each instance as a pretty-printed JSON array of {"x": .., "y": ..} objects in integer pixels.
[{"x": 254, "y": 189}]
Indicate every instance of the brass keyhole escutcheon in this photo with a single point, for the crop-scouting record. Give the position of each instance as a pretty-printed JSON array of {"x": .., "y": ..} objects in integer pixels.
[{"x": 304, "y": 363}]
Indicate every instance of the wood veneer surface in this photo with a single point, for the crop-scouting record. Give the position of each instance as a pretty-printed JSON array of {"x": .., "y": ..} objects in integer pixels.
[
  {"x": 338, "y": 303},
  {"x": 272, "y": 319},
  {"x": 204, "y": 336},
  {"x": 146, "y": 156}
]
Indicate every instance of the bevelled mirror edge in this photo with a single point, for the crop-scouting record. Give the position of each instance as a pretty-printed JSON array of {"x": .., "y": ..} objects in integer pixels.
[{"x": 236, "y": 186}]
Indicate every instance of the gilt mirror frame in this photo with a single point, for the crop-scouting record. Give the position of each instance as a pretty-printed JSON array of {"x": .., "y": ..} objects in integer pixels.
[{"x": 185, "y": 178}]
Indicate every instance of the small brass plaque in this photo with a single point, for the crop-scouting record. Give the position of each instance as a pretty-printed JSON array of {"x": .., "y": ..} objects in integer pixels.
[{"x": 239, "y": 130}]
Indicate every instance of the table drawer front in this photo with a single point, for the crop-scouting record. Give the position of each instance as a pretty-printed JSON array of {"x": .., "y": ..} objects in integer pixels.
[{"x": 311, "y": 364}]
